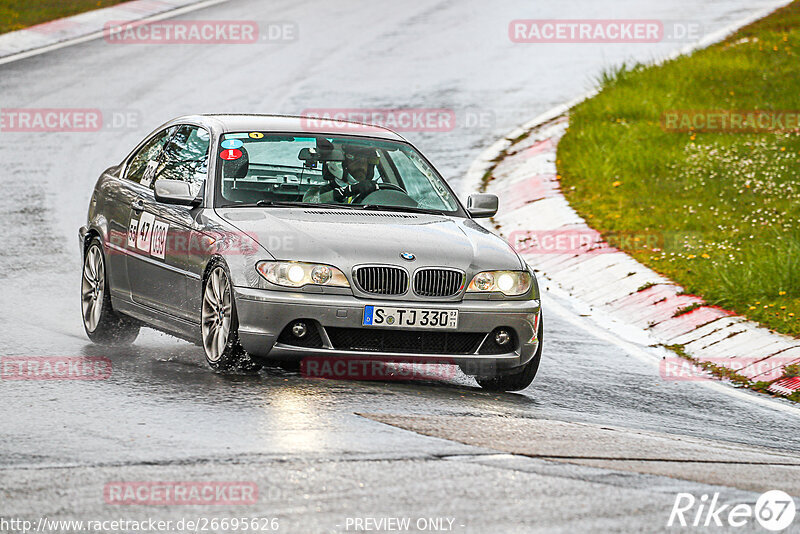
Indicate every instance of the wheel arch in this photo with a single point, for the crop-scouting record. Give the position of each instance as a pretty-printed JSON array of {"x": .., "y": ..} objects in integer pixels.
[
  {"x": 89, "y": 237},
  {"x": 97, "y": 227},
  {"x": 213, "y": 261}
]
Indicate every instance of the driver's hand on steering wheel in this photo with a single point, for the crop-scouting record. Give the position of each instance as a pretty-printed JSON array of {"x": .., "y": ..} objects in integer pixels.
[{"x": 356, "y": 190}]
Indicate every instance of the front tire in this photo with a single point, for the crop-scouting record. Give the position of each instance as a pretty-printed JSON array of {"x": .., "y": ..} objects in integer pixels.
[
  {"x": 219, "y": 324},
  {"x": 101, "y": 323},
  {"x": 520, "y": 379}
]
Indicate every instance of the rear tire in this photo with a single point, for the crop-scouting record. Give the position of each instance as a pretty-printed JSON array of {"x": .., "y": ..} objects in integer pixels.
[
  {"x": 101, "y": 323},
  {"x": 219, "y": 324},
  {"x": 520, "y": 379}
]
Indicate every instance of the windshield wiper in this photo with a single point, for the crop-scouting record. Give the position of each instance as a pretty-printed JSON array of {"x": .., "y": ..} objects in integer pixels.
[
  {"x": 294, "y": 204},
  {"x": 266, "y": 203},
  {"x": 378, "y": 207},
  {"x": 312, "y": 205}
]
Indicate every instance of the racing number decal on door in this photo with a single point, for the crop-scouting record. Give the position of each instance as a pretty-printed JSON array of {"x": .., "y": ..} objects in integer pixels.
[
  {"x": 149, "y": 172},
  {"x": 149, "y": 235},
  {"x": 158, "y": 241},
  {"x": 133, "y": 228},
  {"x": 145, "y": 231}
]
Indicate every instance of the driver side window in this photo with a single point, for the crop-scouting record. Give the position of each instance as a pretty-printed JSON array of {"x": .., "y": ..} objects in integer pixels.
[
  {"x": 144, "y": 162},
  {"x": 185, "y": 157}
]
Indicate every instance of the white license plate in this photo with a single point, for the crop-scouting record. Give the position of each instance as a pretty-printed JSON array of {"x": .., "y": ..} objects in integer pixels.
[{"x": 409, "y": 317}]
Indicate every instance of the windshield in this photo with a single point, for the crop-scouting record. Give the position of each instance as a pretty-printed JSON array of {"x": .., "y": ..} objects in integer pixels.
[{"x": 270, "y": 169}]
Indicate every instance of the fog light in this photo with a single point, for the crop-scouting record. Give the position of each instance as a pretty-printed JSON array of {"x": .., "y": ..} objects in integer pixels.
[
  {"x": 299, "y": 329},
  {"x": 502, "y": 337}
]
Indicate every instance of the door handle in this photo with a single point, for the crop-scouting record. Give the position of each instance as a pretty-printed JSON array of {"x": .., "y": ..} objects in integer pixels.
[{"x": 137, "y": 205}]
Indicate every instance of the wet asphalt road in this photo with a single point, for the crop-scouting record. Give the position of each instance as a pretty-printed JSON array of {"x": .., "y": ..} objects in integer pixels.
[{"x": 323, "y": 451}]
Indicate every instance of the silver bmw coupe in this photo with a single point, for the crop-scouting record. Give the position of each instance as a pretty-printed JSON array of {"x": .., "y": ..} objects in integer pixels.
[{"x": 276, "y": 238}]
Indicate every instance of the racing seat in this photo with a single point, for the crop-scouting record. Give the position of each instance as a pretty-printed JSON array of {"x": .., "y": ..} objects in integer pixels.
[
  {"x": 314, "y": 194},
  {"x": 232, "y": 171}
]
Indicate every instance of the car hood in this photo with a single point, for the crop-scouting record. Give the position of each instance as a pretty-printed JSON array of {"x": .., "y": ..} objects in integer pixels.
[{"x": 345, "y": 238}]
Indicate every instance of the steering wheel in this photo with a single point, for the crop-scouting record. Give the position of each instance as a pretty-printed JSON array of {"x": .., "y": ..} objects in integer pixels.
[
  {"x": 360, "y": 190},
  {"x": 361, "y": 195}
]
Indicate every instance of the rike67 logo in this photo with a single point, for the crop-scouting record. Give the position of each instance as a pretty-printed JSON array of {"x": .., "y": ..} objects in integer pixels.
[{"x": 774, "y": 510}]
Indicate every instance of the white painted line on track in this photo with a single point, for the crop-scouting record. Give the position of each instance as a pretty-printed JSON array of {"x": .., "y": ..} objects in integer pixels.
[
  {"x": 605, "y": 333},
  {"x": 100, "y": 33}
]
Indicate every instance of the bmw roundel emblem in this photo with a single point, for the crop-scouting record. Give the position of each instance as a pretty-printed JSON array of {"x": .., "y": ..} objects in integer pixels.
[{"x": 407, "y": 256}]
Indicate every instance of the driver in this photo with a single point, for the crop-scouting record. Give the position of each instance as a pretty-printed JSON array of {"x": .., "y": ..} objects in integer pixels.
[
  {"x": 359, "y": 162},
  {"x": 355, "y": 179}
]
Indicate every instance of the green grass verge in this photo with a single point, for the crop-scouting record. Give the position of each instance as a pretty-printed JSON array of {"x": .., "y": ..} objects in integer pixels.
[
  {"x": 725, "y": 206},
  {"x": 18, "y": 14}
]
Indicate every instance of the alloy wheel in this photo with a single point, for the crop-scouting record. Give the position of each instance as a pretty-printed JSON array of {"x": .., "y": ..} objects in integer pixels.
[
  {"x": 216, "y": 314},
  {"x": 92, "y": 287}
]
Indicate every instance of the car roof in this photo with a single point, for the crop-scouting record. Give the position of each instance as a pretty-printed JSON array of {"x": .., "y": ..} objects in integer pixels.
[{"x": 234, "y": 122}]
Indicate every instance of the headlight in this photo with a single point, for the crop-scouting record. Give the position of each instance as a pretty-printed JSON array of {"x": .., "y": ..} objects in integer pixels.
[
  {"x": 297, "y": 274},
  {"x": 510, "y": 283}
]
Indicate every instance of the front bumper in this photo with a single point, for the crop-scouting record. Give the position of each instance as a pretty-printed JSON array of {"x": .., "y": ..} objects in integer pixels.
[{"x": 263, "y": 314}]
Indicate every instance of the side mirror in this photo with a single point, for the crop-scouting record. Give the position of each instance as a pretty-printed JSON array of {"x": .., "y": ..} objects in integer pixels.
[
  {"x": 482, "y": 205},
  {"x": 175, "y": 192}
]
